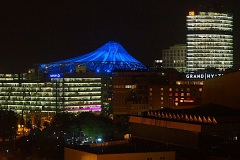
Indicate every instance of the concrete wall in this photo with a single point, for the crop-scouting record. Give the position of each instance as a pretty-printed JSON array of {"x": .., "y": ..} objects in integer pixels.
[
  {"x": 223, "y": 90},
  {"x": 71, "y": 154},
  {"x": 139, "y": 156},
  {"x": 167, "y": 135}
]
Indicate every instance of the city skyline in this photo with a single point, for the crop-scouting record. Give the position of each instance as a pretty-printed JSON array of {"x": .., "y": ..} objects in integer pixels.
[{"x": 34, "y": 33}]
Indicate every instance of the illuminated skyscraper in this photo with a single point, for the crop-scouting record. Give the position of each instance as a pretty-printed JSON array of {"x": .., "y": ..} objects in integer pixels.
[{"x": 209, "y": 41}]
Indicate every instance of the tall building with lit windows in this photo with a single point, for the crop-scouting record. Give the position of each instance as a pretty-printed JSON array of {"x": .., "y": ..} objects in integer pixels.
[
  {"x": 174, "y": 57},
  {"x": 209, "y": 40},
  {"x": 75, "y": 93}
]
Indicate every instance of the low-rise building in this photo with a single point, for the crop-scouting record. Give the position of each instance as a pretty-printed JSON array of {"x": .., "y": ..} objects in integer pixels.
[
  {"x": 203, "y": 131},
  {"x": 107, "y": 151}
]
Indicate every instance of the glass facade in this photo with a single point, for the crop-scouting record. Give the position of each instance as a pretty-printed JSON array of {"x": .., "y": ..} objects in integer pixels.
[
  {"x": 58, "y": 94},
  {"x": 209, "y": 41}
]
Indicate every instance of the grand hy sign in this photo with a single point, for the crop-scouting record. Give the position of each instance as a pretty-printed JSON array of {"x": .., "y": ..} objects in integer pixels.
[{"x": 202, "y": 75}]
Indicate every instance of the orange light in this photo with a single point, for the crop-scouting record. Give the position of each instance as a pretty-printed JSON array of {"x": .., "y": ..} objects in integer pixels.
[{"x": 191, "y": 13}]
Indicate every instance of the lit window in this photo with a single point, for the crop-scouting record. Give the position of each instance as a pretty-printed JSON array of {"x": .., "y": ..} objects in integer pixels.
[
  {"x": 200, "y": 89},
  {"x": 188, "y": 94},
  {"x": 176, "y": 94},
  {"x": 162, "y": 98},
  {"x": 161, "y": 89},
  {"x": 170, "y": 89},
  {"x": 182, "y": 94},
  {"x": 176, "y": 99},
  {"x": 150, "y": 89}
]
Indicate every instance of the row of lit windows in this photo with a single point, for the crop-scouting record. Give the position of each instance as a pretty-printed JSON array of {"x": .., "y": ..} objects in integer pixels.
[
  {"x": 208, "y": 59},
  {"x": 173, "y": 65},
  {"x": 203, "y": 28},
  {"x": 164, "y": 57},
  {"x": 174, "y": 51},
  {"x": 205, "y": 24},
  {"x": 210, "y": 47},
  {"x": 207, "y": 17},
  {"x": 174, "y": 61},
  {"x": 125, "y": 86},
  {"x": 216, "y": 40},
  {"x": 181, "y": 89},
  {"x": 81, "y": 79},
  {"x": 211, "y": 36},
  {"x": 48, "y": 89},
  {"x": 213, "y": 53},
  {"x": 211, "y": 21},
  {"x": 176, "y": 94},
  {"x": 190, "y": 83},
  {"x": 203, "y": 64},
  {"x": 205, "y": 43}
]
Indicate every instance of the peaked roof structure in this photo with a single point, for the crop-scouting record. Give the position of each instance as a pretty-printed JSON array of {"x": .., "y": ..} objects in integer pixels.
[{"x": 111, "y": 56}]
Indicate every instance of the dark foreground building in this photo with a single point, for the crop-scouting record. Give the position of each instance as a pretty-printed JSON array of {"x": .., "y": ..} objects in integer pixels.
[
  {"x": 118, "y": 150},
  {"x": 196, "y": 133}
]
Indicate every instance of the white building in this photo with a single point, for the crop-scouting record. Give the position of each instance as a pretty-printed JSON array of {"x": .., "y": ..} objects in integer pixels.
[
  {"x": 174, "y": 57},
  {"x": 209, "y": 41}
]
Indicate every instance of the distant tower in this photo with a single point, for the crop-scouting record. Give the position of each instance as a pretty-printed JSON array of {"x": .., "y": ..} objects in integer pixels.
[
  {"x": 209, "y": 41},
  {"x": 174, "y": 57}
]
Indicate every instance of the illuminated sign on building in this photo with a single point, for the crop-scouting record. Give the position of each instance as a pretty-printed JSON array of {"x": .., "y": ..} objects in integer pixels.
[
  {"x": 202, "y": 75},
  {"x": 191, "y": 13},
  {"x": 55, "y": 75}
]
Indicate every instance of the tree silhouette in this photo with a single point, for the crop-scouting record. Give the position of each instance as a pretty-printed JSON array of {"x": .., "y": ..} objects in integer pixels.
[{"x": 8, "y": 124}]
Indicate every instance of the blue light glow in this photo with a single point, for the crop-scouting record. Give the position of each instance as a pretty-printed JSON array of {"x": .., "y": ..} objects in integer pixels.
[
  {"x": 111, "y": 56},
  {"x": 57, "y": 75}
]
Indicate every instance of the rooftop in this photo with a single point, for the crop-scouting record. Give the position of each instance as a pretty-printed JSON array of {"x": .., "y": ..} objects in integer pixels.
[{"x": 111, "y": 56}]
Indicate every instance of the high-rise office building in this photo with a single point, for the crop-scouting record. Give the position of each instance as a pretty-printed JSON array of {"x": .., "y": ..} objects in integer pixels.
[{"x": 209, "y": 41}]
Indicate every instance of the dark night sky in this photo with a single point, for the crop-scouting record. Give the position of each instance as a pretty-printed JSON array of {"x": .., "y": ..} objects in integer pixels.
[{"x": 34, "y": 32}]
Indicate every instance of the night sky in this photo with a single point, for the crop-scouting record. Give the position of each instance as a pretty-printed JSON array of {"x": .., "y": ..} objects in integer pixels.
[{"x": 34, "y": 32}]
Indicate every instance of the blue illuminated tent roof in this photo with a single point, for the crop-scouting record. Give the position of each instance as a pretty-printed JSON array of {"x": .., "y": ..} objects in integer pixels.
[{"x": 111, "y": 56}]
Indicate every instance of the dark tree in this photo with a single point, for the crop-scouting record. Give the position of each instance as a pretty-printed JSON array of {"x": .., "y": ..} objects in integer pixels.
[
  {"x": 96, "y": 126},
  {"x": 8, "y": 124}
]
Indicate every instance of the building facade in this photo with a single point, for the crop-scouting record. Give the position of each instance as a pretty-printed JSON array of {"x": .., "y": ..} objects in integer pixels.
[
  {"x": 130, "y": 91},
  {"x": 182, "y": 94},
  {"x": 59, "y": 92},
  {"x": 174, "y": 57},
  {"x": 209, "y": 41},
  {"x": 194, "y": 133},
  {"x": 70, "y": 154},
  {"x": 223, "y": 90}
]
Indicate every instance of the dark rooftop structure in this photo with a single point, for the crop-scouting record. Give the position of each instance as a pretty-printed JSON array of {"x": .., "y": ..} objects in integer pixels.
[
  {"x": 206, "y": 114},
  {"x": 206, "y": 130}
]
